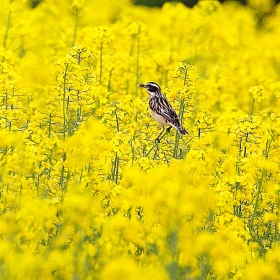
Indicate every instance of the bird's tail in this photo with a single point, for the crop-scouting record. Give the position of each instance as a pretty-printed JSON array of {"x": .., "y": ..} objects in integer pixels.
[{"x": 182, "y": 130}]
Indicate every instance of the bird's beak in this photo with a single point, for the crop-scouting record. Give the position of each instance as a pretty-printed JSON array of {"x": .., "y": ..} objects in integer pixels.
[{"x": 142, "y": 85}]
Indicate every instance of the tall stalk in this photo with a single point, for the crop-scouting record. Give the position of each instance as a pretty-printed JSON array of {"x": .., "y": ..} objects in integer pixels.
[
  {"x": 177, "y": 136},
  {"x": 76, "y": 25},
  {"x": 137, "y": 62},
  {"x": 64, "y": 101},
  {"x": 8, "y": 26},
  {"x": 100, "y": 63}
]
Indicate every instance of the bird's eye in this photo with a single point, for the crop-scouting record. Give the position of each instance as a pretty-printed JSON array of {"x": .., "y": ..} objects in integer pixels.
[{"x": 152, "y": 89}]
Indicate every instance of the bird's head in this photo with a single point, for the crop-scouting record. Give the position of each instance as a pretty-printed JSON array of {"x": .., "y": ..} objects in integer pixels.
[{"x": 151, "y": 87}]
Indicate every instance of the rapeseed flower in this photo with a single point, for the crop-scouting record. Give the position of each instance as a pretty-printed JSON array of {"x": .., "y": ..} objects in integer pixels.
[{"x": 86, "y": 191}]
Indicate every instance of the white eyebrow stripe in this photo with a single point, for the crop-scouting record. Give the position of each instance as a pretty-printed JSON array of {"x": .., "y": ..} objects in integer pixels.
[{"x": 153, "y": 84}]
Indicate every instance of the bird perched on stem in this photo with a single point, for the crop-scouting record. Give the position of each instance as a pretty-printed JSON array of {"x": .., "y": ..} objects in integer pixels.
[{"x": 161, "y": 109}]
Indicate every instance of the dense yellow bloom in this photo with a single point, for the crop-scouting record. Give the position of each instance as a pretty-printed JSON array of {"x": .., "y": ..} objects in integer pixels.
[{"x": 85, "y": 190}]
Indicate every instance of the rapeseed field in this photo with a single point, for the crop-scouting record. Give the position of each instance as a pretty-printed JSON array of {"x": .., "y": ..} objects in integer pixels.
[{"x": 87, "y": 193}]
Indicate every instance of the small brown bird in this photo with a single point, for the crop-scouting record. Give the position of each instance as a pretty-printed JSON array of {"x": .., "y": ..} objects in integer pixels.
[{"x": 161, "y": 109}]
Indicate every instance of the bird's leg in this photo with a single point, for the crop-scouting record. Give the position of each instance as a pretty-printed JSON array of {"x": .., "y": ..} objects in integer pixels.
[
  {"x": 168, "y": 129},
  {"x": 157, "y": 140}
]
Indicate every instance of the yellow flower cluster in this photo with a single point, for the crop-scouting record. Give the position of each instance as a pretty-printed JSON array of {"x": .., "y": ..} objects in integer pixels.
[{"x": 85, "y": 190}]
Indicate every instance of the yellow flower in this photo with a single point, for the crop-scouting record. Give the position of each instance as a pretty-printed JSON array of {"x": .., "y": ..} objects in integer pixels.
[{"x": 87, "y": 191}]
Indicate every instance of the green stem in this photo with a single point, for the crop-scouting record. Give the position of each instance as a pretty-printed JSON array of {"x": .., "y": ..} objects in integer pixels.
[
  {"x": 79, "y": 109},
  {"x": 252, "y": 107},
  {"x": 117, "y": 121},
  {"x": 49, "y": 127},
  {"x": 177, "y": 137},
  {"x": 176, "y": 144},
  {"x": 115, "y": 169},
  {"x": 64, "y": 101},
  {"x": 132, "y": 150},
  {"x": 199, "y": 133},
  {"x": 245, "y": 147},
  {"x": 157, "y": 141},
  {"x": 137, "y": 63},
  {"x": 76, "y": 16},
  {"x": 81, "y": 176},
  {"x": 101, "y": 63},
  {"x": 259, "y": 188},
  {"x": 6, "y": 100},
  {"x": 240, "y": 146},
  {"x": 185, "y": 76},
  {"x": 8, "y": 26},
  {"x": 267, "y": 148},
  {"x": 110, "y": 79}
]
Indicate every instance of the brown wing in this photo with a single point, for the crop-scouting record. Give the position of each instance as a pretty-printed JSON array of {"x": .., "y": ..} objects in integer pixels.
[{"x": 161, "y": 106}]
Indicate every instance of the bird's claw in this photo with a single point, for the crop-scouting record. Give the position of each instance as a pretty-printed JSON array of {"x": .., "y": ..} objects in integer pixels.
[
  {"x": 168, "y": 129},
  {"x": 157, "y": 141}
]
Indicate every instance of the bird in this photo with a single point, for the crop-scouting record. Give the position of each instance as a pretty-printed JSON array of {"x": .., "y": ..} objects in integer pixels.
[{"x": 161, "y": 110}]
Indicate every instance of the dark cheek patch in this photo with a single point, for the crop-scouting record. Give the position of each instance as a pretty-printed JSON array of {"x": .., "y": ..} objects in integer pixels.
[{"x": 152, "y": 89}]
